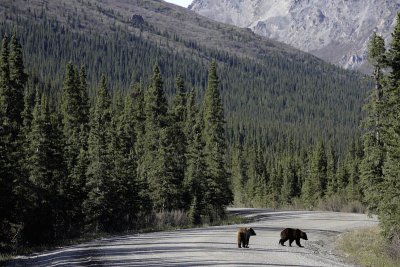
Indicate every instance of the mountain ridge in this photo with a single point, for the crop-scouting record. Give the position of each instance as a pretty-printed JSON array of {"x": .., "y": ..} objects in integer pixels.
[
  {"x": 265, "y": 85},
  {"x": 336, "y": 31}
]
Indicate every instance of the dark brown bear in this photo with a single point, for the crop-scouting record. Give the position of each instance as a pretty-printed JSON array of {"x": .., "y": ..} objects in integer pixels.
[
  {"x": 243, "y": 236},
  {"x": 291, "y": 235}
]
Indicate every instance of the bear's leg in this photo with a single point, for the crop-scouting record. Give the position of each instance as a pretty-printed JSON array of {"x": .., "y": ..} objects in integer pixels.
[
  {"x": 298, "y": 242},
  {"x": 247, "y": 241},
  {"x": 282, "y": 241},
  {"x": 290, "y": 242}
]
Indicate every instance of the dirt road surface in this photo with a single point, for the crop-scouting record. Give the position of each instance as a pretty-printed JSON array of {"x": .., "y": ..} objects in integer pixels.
[{"x": 216, "y": 246}]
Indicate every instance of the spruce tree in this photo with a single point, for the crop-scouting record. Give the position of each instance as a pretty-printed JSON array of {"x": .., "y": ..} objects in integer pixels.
[
  {"x": 18, "y": 79},
  {"x": 353, "y": 187},
  {"x": 177, "y": 135},
  {"x": 157, "y": 144},
  {"x": 219, "y": 193},
  {"x": 371, "y": 167},
  {"x": 45, "y": 168},
  {"x": 289, "y": 180},
  {"x": 71, "y": 112},
  {"x": 256, "y": 184},
  {"x": 331, "y": 168},
  {"x": 393, "y": 53},
  {"x": 137, "y": 96},
  {"x": 166, "y": 187},
  {"x": 389, "y": 207},
  {"x": 97, "y": 206},
  {"x": 6, "y": 179},
  {"x": 191, "y": 114},
  {"x": 315, "y": 184},
  {"x": 74, "y": 112},
  {"x": 12, "y": 82},
  {"x": 180, "y": 102},
  {"x": 239, "y": 176},
  {"x": 84, "y": 105},
  {"x": 127, "y": 200},
  {"x": 197, "y": 176},
  {"x": 275, "y": 184}
]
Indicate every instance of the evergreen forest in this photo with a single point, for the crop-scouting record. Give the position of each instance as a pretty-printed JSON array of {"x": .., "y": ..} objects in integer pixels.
[{"x": 101, "y": 133}]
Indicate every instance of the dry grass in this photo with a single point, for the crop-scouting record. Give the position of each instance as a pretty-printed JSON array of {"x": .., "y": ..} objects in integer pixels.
[
  {"x": 340, "y": 204},
  {"x": 368, "y": 247},
  {"x": 333, "y": 203}
]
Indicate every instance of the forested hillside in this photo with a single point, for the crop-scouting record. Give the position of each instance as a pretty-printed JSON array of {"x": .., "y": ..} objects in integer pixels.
[
  {"x": 270, "y": 92},
  {"x": 114, "y": 111}
]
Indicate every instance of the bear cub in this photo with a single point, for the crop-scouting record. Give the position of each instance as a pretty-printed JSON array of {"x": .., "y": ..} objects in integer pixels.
[
  {"x": 243, "y": 237},
  {"x": 291, "y": 235}
]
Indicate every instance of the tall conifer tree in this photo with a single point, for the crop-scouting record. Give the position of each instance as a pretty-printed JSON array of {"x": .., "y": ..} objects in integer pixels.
[
  {"x": 196, "y": 178},
  {"x": 239, "y": 175},
  {"x": 219, "y": 193},
  {"x": 158, "y": 164},
  {"x": 45, "y": 168},
  {"x": 18, "y": 79},
  {"x": 12, "y": 82},
  {"x": 6, "y": 179},
  {"x": 177, "y": 134},
  {"x": 97, "y": 206},
  {"x": 371, "y": 166},
  {"x": 389, "y": 210},
  {"x": 74, "y": 112},
  {"x": 315, "y": 184}
]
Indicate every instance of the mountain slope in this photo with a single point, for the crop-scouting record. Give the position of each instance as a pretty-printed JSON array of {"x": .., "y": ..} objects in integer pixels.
[
  {"x": 336, "y": 31},
  {"x": 270, "y": 91}
]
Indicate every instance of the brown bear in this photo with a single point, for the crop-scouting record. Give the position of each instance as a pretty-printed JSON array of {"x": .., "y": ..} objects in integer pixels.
[
  {"x": 243, "y": 236},
  {"x": 291, "y": 235}
]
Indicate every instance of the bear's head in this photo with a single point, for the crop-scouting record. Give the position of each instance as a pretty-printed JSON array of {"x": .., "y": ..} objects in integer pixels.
[
  {"x": 251, "y": 231},
  {"x": 304, "y": 236}
]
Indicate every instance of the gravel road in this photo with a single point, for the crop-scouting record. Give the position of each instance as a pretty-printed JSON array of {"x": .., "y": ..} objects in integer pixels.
[{"x": 216, "y": 246}]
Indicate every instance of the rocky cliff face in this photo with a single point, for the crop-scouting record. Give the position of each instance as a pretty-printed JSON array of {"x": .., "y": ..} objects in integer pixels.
[{"x": 334, "y": 30}]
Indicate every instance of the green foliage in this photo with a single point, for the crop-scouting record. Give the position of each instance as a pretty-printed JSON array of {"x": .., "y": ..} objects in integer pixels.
[
  {"x": 46, "y": 170},
  {"x": 12, "y": 81},
  {"x": 315, "y": 184},
  {"x": 239, "y": 176},
  {"x": 219, "y": 194},
  {"x": 196, "y": 176},
  {"x": 97, "y": 206},
  {"x": 380, "y": 164},
  {"x": 157, "y": 146},
  {"x": 393, "y": 53},
  {"x": 74, "y": 118}
]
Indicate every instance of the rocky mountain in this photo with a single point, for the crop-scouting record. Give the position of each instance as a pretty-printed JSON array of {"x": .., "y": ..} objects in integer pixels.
[{"x": 334, "y": 30}]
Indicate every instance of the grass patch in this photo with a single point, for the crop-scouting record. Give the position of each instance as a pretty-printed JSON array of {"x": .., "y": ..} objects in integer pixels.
[{"x": 368, "y": 247}]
